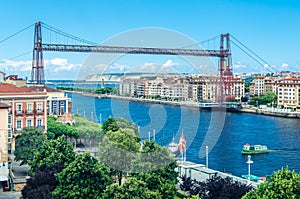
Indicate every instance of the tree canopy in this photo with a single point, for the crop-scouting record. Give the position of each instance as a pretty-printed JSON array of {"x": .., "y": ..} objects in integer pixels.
[
  {"x": 281, "y": 184},
  {"x": 132, "y": 188},
  {"x": 28, "y": 143},
  {"x": 215, "y": 187},
  {"x": 56, "y": 129},
  {"x": 41, "y": 184},
  {"x": 158, "y": 169},
  {"x": 270, "y": 97},
  {"x": 52, "y": 152},
  {"x": 87, "y": 130},
  {"x": 85, "y": 177}
]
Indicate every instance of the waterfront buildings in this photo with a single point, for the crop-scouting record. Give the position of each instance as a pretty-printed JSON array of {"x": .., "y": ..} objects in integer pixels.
[
  {"x": 288, "y": 92},
  {"x": 181, "y": 88},
  {"x": 257, "y": 86}
]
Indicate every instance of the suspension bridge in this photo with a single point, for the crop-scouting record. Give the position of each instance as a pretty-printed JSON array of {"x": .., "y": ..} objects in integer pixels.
[{"x": 223, "y": 52}]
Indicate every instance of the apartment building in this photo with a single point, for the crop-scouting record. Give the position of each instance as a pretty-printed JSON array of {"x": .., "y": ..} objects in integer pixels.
[
  {"x": 288, "y": 92},
  {"x": 57, "y": 102},
  {"x": 208, "y": 89},
  {"x": 27, "y": 109},
  {"x": 4, "y": 132},
  {"x": 257, "y": 86}
]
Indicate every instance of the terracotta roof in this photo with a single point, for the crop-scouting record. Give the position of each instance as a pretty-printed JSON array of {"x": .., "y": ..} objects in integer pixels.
[
  {"x": 259, "y": 77},
  {"x": 3, "y": 105},
  {"x": 9, "y": 88},
  {"x": 292, "y": 78},
  {"x": 40, "y": 89},
  {"x": 66, "y": 119}
]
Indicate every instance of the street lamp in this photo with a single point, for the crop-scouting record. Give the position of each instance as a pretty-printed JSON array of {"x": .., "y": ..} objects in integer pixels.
[{"x": 249, "y": 162}]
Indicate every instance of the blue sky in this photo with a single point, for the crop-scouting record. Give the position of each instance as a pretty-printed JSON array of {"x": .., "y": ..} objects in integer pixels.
[{"x": 268, "y": 27}]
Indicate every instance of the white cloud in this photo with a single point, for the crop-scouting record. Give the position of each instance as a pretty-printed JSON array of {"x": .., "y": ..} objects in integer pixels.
[
  {"x": 10, "y": 66},
  {"x": 166, "y": 67},
  {"x": 169, "y": 63},
  {"x": 284, "y": 65},
  {"x": 61, "y": 64},
  {"x": 239, "y": 65}
]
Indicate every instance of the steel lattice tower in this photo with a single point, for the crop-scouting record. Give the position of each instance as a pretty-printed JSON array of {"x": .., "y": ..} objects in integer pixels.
[{"x": 37, "y": 72}]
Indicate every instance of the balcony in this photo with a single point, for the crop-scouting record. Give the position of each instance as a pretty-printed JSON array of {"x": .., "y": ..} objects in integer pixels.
[
  {"x": 29, "y": 111},
  {"x": 39, "y": 111},
  {"x": 19, "y": 112}
]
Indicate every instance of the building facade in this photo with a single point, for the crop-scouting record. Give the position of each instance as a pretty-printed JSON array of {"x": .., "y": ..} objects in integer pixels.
[
  {"x": 27, "y": 109},
  {"x": 4, "y": 125},
  {"x": 288, "y": 92},
  {"x": 57, "y": 102}
]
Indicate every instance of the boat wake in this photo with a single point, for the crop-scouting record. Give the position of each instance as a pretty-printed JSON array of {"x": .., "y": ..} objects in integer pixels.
[{"x": 284, "y": 149}]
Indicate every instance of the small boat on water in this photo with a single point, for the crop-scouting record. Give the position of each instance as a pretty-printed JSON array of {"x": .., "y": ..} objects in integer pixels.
[
  {"x": 254, "y": 149},
  {"x": 254, "y": 178}
]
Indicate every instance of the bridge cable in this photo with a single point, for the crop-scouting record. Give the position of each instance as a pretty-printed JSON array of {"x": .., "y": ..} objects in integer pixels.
[
  {"x": 15, "y": 57},
  {"x": 253, "y": 52},
  {"x": 50, "y": 28},
  {"x": 16, "y": 33},
  {"x": 250, "y": 56}
]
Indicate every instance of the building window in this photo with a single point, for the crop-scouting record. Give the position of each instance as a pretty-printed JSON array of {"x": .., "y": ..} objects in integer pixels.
[
  {"x": 19, "y": 108},
  {"x": 19, "y": 124},
  {"x": 39, "y": 107},
  {"x": 9, "y": 119},
  {"x": 29, "y": 123},
  {"x": 39, "y": 122},
  {"x": 9, "y": 133},
  {"x": 29, "y": 108}
]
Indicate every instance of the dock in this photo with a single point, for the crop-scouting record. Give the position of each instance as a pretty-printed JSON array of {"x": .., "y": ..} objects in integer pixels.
[{"x": 201, "y": 173}]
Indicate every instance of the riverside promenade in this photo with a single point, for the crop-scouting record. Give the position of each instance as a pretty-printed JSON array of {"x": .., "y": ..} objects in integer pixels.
[
  {"x": 287, "y": 113},
  {"x": 201, "y": 173}
]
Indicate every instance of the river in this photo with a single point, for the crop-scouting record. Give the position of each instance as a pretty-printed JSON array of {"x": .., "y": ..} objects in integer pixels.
[{"x": 281, "y": 135}]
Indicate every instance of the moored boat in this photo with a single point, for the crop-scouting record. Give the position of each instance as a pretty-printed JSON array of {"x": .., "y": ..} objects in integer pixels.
[{"x": 254, "y": 149}]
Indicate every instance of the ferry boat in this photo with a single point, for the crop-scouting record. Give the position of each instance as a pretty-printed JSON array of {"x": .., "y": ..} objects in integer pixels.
[{"x": 254, "y": 149}]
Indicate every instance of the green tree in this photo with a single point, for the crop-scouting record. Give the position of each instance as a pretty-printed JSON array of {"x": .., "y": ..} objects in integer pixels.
[
  {"x": 56, "y": 129},
  {"x": 52, "y": 152},
  {"x": 132, "y": 188},
  {"x": 83, "y": 178},
  {"x": 158, "y": 168},
  {"x": 281, "y": 184},
  {"x": 110, "y": 125},
  {"x": 119, "y": 146},
  {"x": 87, "y": 130},
  {"x": 117, "y": 150},
  {"x": 41, "y": 184},
  {"x": 27, "y": 144},
  {"x": 270, "y": 97}
]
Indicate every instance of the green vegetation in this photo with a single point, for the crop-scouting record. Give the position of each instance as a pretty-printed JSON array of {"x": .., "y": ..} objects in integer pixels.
[
  {"x": 127, "y": 168},
  {"x": 27, "y": 144},
  {"x": 52, "y": 152},
  {"x": 89, "y": 90},
  {"x": 85, "y": 177},
  {"x": 88, "y": 131},
  {"x": 270, "y": 97},
  {"x": 121, "y": 143},
  {"x": 132, "y": 188},
  {"x": 281, "y": 184},
  {"x": 215, "y": 187},
  {"x": 57, "y": 129},
  {"x": 41, "y": 184}
]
